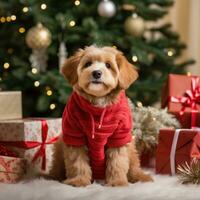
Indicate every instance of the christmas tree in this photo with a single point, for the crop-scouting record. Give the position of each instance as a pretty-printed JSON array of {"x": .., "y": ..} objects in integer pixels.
[{"x": 25, "y": 45}]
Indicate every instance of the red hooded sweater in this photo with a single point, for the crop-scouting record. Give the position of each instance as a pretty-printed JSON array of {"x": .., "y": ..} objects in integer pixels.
[{"x": 96, "y": 127}]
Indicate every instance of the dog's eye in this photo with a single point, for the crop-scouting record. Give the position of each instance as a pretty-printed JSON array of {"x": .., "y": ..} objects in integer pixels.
[
  {"x": 108, "y": 65},
  {"x": 87, "y": 64}
]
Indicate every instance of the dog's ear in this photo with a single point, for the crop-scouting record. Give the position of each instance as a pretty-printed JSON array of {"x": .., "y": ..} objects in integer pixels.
[
  {"x": 69, "y": 69},
  {"x": 127, "y": 72}
]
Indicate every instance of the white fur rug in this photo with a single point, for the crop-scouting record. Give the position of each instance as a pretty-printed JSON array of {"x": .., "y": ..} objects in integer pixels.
[{"x": 163, "y": 188}]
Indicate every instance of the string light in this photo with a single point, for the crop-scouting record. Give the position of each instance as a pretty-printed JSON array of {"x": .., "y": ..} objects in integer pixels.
[
  {"x": 43, "y": 6},
  {"x": 0, "y": 79},
  {"x": 114, "y": 47},
  {"x": 170, "y": 52},
  {"x": 25, "y": 9},
  {"x": 3, "y": 19},
  {"x": 13, "y": 17},
  {"x": 34, "y": 70},
  {"x": 77, "y": 2},
  {"x": 134, "y": 58},
  {"x": 6, "y": 65},
  {"x": 52, "y": 106},
  {"x": 36, "y": 83},
  {"x": 72, "y": 23},
  {"x": 8, "y": 19},
  {"x": 22, "y": 29},
  {"x": 139, "y": 104},
  {"x": 188, "y": 73},
  {"x": 49, "y": 92}
]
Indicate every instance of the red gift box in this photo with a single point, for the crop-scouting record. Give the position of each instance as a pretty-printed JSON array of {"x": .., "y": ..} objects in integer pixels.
[
  {"x": 175, "y": 147},
  {"x": 147, "y": 158},
  {"x": 12, "y": 169},
  {"x": 181, "y": 95}
]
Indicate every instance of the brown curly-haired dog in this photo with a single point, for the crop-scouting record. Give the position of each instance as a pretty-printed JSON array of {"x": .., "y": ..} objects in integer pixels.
[{"x": 99, "y": 77}]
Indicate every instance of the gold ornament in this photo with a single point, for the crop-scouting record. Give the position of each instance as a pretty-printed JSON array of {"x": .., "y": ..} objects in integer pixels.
[
  {"x": 134, "y": 25},
  {"x": 38, "y": 37}
]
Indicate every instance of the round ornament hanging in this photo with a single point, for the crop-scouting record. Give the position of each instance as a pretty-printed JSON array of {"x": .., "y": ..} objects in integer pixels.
[
  {"x": 134, "y": 25},
  {"x": 38, "y": 38},
  {"x": 106, "y": 8}
]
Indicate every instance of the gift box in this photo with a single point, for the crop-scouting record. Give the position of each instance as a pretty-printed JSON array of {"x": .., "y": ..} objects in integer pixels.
[
  {"x": 32, "y": 139},
  {"x": 11, "y": 105},
  {"x": 181, "y": 94},
  {"x": 147, "y": 158},
  {"x": 175, "y": 147},
  {"x": 12, "y": 169}
]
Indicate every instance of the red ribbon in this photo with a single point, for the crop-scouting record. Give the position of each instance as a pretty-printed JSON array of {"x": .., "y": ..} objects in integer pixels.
[
  {"x": 190, "y": 99},
  {"x": 41, "y": 152}
]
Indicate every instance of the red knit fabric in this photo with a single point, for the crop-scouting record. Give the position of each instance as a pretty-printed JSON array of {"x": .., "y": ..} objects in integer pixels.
[{"x": 98, "y": 128}]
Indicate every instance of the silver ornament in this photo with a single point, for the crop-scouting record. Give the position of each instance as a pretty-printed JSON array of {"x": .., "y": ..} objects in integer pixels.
[{"x": 106, "y": 8}]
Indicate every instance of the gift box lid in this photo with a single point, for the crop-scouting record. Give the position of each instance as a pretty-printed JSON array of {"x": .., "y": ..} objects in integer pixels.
[
  {"x": 28, "y": 129},
  {"x": 176, "y": 85}
]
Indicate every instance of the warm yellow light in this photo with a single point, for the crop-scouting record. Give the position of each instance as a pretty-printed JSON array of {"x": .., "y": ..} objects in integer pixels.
[
  {"x": 134, "y": 58},
  {"x": 188, "y": 73},
  {"x": 52, "y": 106},
  {"x": 6, "y": 65},
  {"x": 25, "y": 9},
  {"x": 13, "y": 17},
  {"x": 77, "y": 2},
  {"x": 0, "y": 79},
  {"x": 3, "y": 19},
  {"x": 114, "y": 47},
  {"x": 34, "y": 70},
  {"x": 72, "y": 23},
  {"x": 43, "y": 6},
  {"x": 8, "y": 19},
  {"x": 22, "y": 29},
  {"x": 139, "y": 104},
  {"x": 49, "y": 92},
  {"x": 36, "y": 83},
  {"x": 170, "y": 53}
]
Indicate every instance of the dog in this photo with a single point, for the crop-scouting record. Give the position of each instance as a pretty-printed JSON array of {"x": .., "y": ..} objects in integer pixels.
[{"x": 97, "y": 123}]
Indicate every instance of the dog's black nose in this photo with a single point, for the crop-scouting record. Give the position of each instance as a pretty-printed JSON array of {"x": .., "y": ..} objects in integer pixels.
[{"x": 97, "y": 74}]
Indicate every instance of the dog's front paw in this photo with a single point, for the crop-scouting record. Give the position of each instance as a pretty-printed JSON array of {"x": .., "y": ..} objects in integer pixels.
[
  {"x": 145, "y": 178},
  {"x": 77, "y": 182},
  {"x": 141, "y": 177},
  {"x": 117, "y": 182}
]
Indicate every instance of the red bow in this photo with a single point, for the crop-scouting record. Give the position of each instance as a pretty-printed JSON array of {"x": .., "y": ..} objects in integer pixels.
[
  {"x": 190, "y": 99},
  {"x": 41, "y": 152}
]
